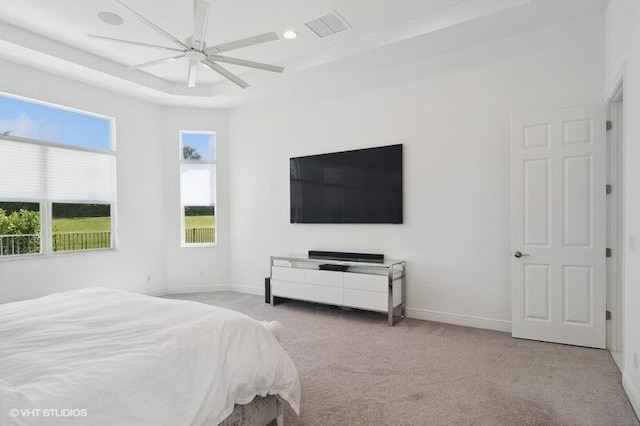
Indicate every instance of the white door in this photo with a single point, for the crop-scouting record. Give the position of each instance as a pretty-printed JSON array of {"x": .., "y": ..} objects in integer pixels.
[{"x": 558, "y": 184}]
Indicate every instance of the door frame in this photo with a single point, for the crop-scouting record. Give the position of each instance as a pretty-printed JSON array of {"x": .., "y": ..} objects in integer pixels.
[{"x": 615, "y": 219}]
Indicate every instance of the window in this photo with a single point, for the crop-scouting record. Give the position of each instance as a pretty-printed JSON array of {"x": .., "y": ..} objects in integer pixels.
[
  {"x": 81, "y": 226},
  {"x": 198, "y": 188},
  {"x": 20, "y": 231},
  {"x": 57, "y": 168}
]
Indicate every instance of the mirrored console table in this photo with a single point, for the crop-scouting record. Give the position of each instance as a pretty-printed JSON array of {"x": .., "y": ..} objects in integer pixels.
[{"x": 379, "y": 287}]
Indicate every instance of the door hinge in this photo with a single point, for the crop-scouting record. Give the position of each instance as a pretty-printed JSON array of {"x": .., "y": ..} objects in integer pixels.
[
  {"x": 609, "y": 189},
  {"x": 608, "y": 315},
  {"x": 609, "y": 125},
  {"x": 608, "y": 252}
]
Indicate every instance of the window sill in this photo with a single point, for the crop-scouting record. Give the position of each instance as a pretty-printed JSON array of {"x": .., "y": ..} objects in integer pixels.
[
  {"x": 7, "y": 258},
  {"x": 193, "y": 245},
  {"x": 52, "y": 255},
  {"x": 76, "y": 252}
]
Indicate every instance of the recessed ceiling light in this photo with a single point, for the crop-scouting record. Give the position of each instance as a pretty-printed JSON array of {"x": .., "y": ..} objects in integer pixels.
[
  {"x": 110, "y": 18},
  {"x": 290, "y": 34}
]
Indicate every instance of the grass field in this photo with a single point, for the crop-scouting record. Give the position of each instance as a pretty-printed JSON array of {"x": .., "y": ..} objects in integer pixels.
[
  {"x": 94, "y": 233},
  {"x": 199, "y": 221},
  {"x": 97, "y": 224},
  {"x": 82, "y": 224}
]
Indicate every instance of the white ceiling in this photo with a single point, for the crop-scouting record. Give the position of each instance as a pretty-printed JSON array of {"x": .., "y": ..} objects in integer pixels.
[{"x": 52, "y": 35}]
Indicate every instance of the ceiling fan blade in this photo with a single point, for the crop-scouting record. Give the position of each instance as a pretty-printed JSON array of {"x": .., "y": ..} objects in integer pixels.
[
  {"x": 159, "y": 61},
  {"x": 193, "y": 73},
  {"x": 245, "y": 42},
  {"x": 135, "y": 43},
  {"x": 200, "y": 21},
  {"x": 223, "y": 72},
  {"x": 245, "y": 63},
  {"x": 153, "y": 26}
]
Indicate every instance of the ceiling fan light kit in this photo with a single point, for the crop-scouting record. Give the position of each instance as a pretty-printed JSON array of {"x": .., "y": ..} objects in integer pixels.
[
  {"x": 195, "y": 48},
  {"x": 110, "y": 18}
]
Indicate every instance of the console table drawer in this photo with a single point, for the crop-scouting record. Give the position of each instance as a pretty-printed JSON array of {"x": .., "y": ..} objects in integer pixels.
[
  {"x": 324, "y": 294},
  {"x": 324, "y": 278},
  {"x": 287, "y": 289},
  {"x": 280, "y": 273},
  {"x": 365, "y": 282},
  {"x": 369, "y": 300}
]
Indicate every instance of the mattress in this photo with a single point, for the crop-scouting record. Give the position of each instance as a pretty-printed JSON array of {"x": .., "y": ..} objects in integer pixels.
[{"x": 101, "y": 357}]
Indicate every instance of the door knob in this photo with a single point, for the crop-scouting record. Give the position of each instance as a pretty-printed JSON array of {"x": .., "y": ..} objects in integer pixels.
[{"x": 520, "y": 254}]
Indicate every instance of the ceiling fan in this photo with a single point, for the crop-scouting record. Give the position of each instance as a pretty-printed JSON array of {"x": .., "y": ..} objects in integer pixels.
[{"x": 196, "y": 50}]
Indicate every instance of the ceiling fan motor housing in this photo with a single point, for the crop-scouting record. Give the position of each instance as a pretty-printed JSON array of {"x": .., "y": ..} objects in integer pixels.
[{"x": 196, "y": 55}]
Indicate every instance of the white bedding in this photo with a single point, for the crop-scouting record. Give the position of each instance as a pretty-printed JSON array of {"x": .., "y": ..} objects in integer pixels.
[{"x": 129, "y": 359}]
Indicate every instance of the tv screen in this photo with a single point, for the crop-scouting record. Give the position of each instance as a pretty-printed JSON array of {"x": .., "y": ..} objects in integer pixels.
[{"x": 360, "y": 186}]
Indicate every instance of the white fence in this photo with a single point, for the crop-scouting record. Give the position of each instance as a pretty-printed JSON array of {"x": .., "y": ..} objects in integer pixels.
[
  {"x": 69, "y": 241},
  {"x": 11, "y": 245}
]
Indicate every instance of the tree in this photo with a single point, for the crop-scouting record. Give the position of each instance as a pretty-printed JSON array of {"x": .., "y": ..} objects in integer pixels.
[
  {"x": 190, "y": 153},
  {"x": 24, "y": 227},
  {"x": 6, "y": 133},
  {"x": 19, "y": 222}
]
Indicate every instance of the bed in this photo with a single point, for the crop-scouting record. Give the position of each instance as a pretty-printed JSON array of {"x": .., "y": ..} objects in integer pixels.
[{"x": 103, "y": 357}]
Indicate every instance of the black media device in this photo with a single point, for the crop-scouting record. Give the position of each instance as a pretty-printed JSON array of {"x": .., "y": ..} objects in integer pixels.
[
  {"x": 267, "y": 290},
  {"x": 360, "y": 186},
  {"x": 345, "y": 256},
  {"x": 333, "y": 267}
]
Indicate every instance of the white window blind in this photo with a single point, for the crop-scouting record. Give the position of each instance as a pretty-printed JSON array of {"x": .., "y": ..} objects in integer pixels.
[
  {"x": 197, "y": 184},
  {"x": 32, "y": 170}
]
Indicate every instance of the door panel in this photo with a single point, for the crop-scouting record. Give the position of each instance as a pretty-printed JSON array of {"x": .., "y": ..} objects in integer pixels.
[
  {"x": 577, "y": 132},
  {"x": 536, "y": 208},
  {"x": 536, "y": 292},
  {"x": 536, "y": 136},
  {"x": 558, "y": 169},
  {"x": 577, "y": 189},
  {"x": 577, "y": 285}
]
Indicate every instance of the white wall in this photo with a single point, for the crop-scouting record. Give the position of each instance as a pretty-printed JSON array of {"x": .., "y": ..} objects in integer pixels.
[
  {"x": 623, "y": 58},
  {"x": 148, "y": 200},
  {"x": 196, "y": 268},
  {"x": 455, "y": 129}
]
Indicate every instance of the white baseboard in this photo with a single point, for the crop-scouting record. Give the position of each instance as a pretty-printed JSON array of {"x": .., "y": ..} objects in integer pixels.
[
  {"x": 466, "y": 320},
  {"x": 190, "y": 289},
  {"x": 247, "y": 289},
  {"x": 205, "y": 289},
  {"x": 632, "y": 393}
]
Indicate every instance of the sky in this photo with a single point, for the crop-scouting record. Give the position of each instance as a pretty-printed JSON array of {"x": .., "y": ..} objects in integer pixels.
[
  {"x": 203, "y": 143},
  {"x": 37, "y": 121}
]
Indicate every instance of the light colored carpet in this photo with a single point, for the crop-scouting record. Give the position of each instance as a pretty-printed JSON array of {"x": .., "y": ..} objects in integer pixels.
[{"x": 355, "y": 370}]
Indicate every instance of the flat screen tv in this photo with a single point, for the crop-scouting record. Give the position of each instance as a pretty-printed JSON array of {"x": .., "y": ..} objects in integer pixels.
[{"x": 360, "y": 186}]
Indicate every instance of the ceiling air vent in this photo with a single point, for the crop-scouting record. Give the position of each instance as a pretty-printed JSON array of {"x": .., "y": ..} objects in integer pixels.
[{"x": 328, "y": 25}]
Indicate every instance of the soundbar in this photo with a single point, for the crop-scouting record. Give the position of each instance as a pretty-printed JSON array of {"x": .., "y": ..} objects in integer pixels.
[{"x": 347, "y": 257}]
